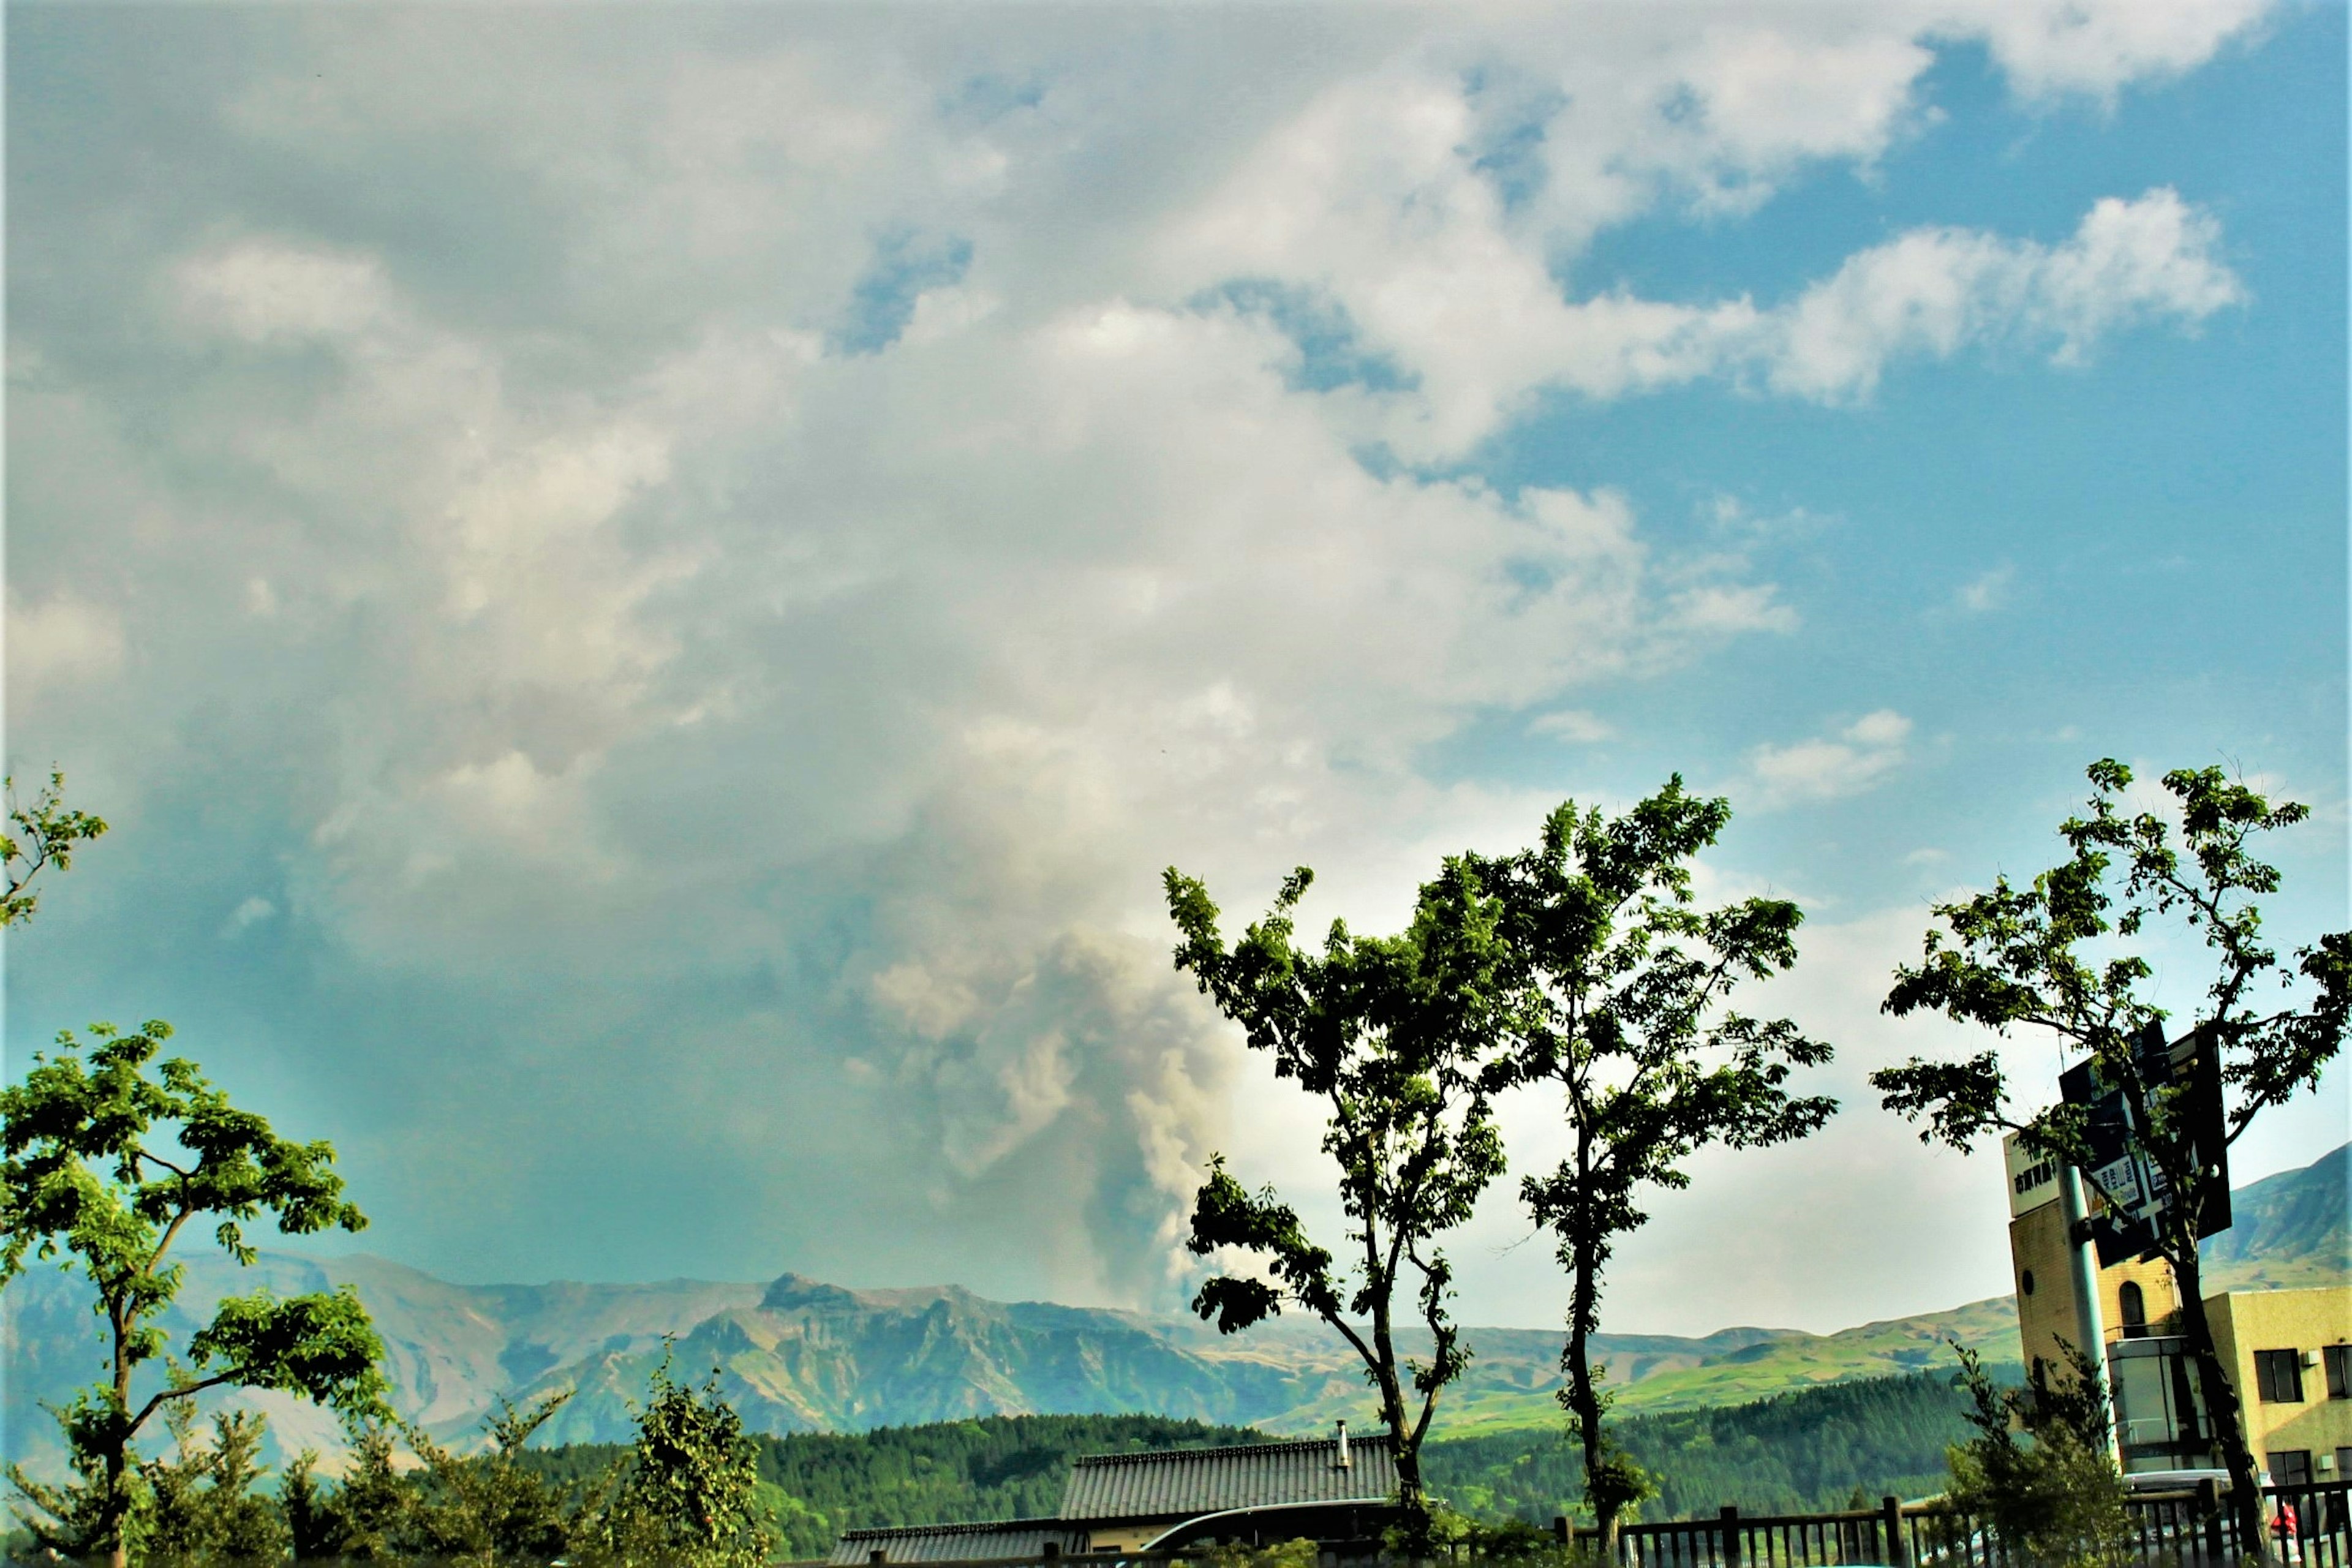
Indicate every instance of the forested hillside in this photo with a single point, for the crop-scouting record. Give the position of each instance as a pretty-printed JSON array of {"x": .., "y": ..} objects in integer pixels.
[
  {"x": 1816, "y": 1448},
  {"x": 1000, "y": 1466},
  {"x": 798, "y": 1355}
]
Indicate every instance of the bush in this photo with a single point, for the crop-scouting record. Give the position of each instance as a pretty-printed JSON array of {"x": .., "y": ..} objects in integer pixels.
[{"x": 2055, "y": 1499}]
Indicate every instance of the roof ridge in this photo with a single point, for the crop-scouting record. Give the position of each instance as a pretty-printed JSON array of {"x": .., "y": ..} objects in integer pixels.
[
  {"x": 1053, "y": 1522},
  {"x": 1287, "y": 1446}
]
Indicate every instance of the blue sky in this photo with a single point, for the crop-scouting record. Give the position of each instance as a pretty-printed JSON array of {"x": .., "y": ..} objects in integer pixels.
[{"x": 649, "y": 589}]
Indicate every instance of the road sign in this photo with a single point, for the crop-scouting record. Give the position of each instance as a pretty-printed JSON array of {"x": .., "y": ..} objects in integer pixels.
[{"x": 2128, "y": 1193}]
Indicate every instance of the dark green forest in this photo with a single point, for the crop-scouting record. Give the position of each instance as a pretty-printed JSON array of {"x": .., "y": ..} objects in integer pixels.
[{"x": 1817, "y": 1448}]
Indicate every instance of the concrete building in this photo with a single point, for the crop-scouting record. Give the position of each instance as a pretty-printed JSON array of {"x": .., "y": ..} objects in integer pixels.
[
  {"x": 2288, "y": 1352},
  {"x": 2290, "y": 1355}
]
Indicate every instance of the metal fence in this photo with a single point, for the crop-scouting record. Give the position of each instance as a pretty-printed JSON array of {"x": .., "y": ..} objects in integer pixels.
[
  {"x": 2168, "y": 1530},
  {"x": 2309, "y": 1527}
]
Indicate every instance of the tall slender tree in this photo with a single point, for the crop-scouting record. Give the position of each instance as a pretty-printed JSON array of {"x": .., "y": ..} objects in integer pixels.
[
  {"x": 110, "y": 1156},
  {"x": 1397, "y": 1037},
  {"x": 2065, "y": 957},
  {"x": 1625, "y": 988}
]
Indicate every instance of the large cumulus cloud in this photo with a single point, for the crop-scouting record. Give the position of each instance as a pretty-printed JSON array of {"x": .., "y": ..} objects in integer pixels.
[{"x": 687, "y": 569}]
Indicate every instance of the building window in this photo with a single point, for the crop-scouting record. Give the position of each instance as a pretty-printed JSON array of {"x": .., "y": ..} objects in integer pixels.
[
  {"x": 2290, "y": 1468},
  {"x": 2279, "y": 1375},
  {"x": 2343, "y": 1463},
  {"x": 2339, "y": 1371},
  {"x": 2134, "y": 1306}
]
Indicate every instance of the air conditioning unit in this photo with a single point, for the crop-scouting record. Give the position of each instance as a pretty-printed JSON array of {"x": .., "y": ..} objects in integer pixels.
[{"x": 2311, "y": 1358}]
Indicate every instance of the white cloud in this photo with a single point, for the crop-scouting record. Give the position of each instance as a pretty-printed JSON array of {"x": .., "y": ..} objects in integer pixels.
[
  {"x": 248, "y": 914},
  {"x": 1571, "y": 724},
  {"x": 1859, "y": 758},
  {"x": 2098, "y": 49},
  {"x": 262, "y": 290},
  {"x": 59, "y": 640},
  {"x": 1987, "y": 592},
  {"x": 1935, "y": 291},
  {"x": 787, "y": 741}
]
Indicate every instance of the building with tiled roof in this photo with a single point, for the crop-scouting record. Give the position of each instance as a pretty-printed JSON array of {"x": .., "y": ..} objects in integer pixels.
[
  {"x": 1026, "y": 1538},
  {"x": 1130, "y": 1500},
  {"x": 1332, "y": 1490}
]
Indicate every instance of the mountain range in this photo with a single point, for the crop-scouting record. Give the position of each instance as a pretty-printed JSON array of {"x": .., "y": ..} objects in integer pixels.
[{"x": 799, "y": 1355}]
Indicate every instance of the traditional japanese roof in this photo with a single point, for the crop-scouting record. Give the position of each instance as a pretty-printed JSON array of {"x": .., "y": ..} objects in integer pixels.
[
  {"x": 1182, "y": 1483},
  {"x": 958, "y": 1542}
]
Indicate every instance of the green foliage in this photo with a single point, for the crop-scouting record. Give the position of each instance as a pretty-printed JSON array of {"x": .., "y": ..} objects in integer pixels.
[
  {"x": 1623, "y": 1006},
  {"x": 1506, "y": 1541},
  {"x": 2056, "y": 1498},
  {"x": 1282, "y": 1554},
  {"x": 365, "y": 1519},
  {"x": 1395, "y": 1035},
  {"x": 44, "y": 833},
  {"x": 1802, "y": 1452},
  {"x": 999, "y": 1466},
  {"x": 2057, "y": 956},
  {"x": 108, "y": 1158},
  {"x": 204, "y": 1508},
  {"x": 689, "y": 1494},
  {"x": 86, "y": 1518}
]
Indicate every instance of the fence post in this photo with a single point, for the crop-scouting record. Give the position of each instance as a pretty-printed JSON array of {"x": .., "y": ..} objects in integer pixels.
[
  {"x": 2209, "y": 1510},
  {"x": 1731, "y": 1541},
  {"x": 1898, "y": 1551},
  {"x": 1559, "y": 1528}
]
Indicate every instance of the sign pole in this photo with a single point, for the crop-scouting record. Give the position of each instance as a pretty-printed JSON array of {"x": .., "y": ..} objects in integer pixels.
[{"x": 2089, "y": 1319}]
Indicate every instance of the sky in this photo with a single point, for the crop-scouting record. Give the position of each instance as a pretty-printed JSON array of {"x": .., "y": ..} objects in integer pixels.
[{"x": 649, "y": 589}]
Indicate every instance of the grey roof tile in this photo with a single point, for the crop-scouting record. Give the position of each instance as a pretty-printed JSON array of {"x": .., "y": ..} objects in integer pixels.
[
  {"x": 1181, "y": 1483},
  {"x": 958, "y": 1542}
]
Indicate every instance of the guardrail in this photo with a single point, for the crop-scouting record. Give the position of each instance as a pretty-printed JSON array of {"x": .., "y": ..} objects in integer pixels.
[{"x": 2170, "y": 1529}]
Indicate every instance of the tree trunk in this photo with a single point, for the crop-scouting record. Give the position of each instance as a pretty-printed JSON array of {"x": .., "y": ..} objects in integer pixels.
[
  {"x": 116, "y": 1509},
  {"x": 2223, "y": 1405},
  {"x": 1584, "y": 1402}
]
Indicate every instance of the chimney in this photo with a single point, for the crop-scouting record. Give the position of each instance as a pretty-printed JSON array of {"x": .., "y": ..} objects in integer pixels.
[{"x": 1341, "y": 1462}]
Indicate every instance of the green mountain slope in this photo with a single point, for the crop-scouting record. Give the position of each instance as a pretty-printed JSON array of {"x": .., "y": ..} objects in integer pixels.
[
  {"x": 800, "y": 1356},
  {"x": 2286, "y": 1230},
  {"x": 1812, "y": 1448}
]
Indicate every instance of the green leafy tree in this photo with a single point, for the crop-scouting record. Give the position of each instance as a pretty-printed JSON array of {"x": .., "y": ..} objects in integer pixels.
[
  {"x": 2058, "y": 957},
  {"x": 489, "y": 1508},
  {"x": 109, "y": 1157},
  {"x": 1394, "y": 1035},
  {"x": 1626, "y": 1016},
  {"x": 2055, "y": 1499},
  {"x": 43, "y": 836},
  {"x": 689, "y": 1494},
  {"x": 205, "y": 1512},
  {"x": 367, "y": 1518}
]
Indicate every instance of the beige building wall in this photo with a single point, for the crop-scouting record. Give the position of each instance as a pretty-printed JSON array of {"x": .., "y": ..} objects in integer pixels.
[
  {"x": 2042, "y": 1271},
  {"x": 2306, "y": 1322}
]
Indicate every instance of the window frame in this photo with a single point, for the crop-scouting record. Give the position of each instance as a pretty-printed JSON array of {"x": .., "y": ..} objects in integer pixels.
[
  {"x": 2337, "y": 1359},
  {"x": 2278, "y": 1471},
  {"x": 2269, "y": 1382}
]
